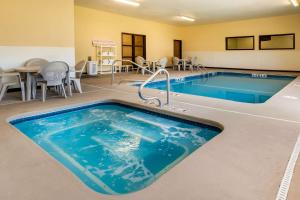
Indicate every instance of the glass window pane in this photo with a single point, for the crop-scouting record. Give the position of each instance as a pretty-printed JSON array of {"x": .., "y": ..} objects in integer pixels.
[
  {"x": 240, "y": 43},
  {"x": 127, "y": 51},
  {"x": 127, "y": 39},
  {"x": 139, "y": 40},
  {"x": 139, "y": 51},
  {"x": 277, "y": 42}
]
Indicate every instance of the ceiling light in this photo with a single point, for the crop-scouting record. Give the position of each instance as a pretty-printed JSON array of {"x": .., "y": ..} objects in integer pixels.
[
  {"x": 131, "y": 3},
  {"x": 295, "y": 3},
  {"x": 187, "y": 18}
]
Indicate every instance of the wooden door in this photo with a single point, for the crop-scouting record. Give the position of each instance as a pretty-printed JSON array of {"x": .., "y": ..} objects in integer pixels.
[{"x": 178, "y": 48}]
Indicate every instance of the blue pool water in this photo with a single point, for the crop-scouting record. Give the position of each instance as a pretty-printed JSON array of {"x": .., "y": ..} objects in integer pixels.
[
  {"x": 226, "y": 85},
  {"x": 113, "y": 148}
]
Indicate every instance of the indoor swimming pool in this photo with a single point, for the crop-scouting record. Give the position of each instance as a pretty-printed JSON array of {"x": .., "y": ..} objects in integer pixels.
[
  {"x": 240, "y": 87},
  {"x": 115, "y": 148}
]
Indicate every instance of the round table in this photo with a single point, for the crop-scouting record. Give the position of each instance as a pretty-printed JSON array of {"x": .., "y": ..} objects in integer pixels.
[{"x": 28, "y": 71}]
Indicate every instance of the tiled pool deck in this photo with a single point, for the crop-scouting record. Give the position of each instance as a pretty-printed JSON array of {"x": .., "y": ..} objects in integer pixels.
[{"x": 246, "y": 161}]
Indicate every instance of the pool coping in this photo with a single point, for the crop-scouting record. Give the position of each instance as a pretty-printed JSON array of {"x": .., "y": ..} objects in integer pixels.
[{"x": 66, "y": 109}]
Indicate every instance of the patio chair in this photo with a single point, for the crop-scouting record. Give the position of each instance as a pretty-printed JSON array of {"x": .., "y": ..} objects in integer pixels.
[
  {"x": 142, "y": 62},
  {"x": 177, "y": 63},
  {"x": 10, "y": 79},
  {"x": 54, "y": 75},
  {"x": 189, "y": 64},
  {"x": 75, "y": 81},
  {"x": 162, "y": 63},
  {"x": 36, "y": 77},
  {"x": 195, "y": 64},
  {"x": 36, "y": 62}
]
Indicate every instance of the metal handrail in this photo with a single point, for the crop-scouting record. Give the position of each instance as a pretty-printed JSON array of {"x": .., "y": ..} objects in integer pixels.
[
  {"x": 203, "y": 68},
  {"x": 113, "y": 68},
  {"x": 156, "y": 98}
]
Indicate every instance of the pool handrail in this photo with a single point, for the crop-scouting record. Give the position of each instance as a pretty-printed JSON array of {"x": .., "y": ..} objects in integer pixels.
[
  {"x": 145, "y": 82},
  {"x": 149, "y": 80}
]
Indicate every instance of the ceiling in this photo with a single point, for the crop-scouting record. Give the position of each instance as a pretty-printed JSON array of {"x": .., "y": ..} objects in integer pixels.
[{"x": 204, "y": 11}]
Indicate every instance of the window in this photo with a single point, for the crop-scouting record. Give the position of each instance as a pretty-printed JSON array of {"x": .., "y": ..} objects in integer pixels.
[
  {"x": 133, "y": 45},
  {"x": 240, "y": 43},
  {"x": 277, "y": 42}
]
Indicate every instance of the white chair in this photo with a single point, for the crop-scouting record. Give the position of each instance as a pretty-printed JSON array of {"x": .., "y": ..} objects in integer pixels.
[
  {"x": 143, "y": 63},
  {"x": 162, "y": 63},
  {"x": 36, "y": 77},
  {"x": 75, "y": 81},
  {"x": 10, "y": 79},
  {"x": 176, "y": 63},
  {"x": 36, "y": 62},
  {"x": 54, "y": 75},
  {"x": 189, "y": 64},
  {"x": 195, "y": 64}
]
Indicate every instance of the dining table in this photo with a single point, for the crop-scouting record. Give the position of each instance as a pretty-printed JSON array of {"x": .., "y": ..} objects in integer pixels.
[{"x": 29, "y": 71}]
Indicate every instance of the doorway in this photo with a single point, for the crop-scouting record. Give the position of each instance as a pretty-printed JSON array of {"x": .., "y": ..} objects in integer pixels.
[{"x": 178, "y": 48}]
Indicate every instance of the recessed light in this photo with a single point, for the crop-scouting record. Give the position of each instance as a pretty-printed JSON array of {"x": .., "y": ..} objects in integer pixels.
[
  {"x": 187, "y": 18},
  {"x": 131, "y": 3},
  {"x": 295, "y": 3}
]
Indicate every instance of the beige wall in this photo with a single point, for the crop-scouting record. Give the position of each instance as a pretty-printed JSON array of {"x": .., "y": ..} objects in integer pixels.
[
  {"x": 94, "y": 24},
  {"x": 208, "y": 43},
  {"x": 37, "y": 23},
  {"x": 36, "y": 28}
]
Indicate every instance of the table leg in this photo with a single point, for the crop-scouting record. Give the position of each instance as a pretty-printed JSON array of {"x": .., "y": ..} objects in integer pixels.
[
  {"x": 69, "y": 89},
  {"x": 28, "y": 86}
]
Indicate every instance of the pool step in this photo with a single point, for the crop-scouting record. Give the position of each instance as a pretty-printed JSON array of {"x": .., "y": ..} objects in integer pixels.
[
  {"x": 147, "y": 135},
  {"x": 153, "y": 120}
]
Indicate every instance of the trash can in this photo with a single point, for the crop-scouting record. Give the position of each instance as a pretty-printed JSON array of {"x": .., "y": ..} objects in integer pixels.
[{"x": 92, "y": 68}]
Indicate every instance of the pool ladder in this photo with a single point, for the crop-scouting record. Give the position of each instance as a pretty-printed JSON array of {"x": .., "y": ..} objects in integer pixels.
[
  {"x": 141, "y": 87},
  {"x": 156, "y": 98}
]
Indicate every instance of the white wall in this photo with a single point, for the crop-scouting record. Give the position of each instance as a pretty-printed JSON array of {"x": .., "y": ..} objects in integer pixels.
[
  {"x": 15, "y": 56},
  {"x": 266, "y": 60}
]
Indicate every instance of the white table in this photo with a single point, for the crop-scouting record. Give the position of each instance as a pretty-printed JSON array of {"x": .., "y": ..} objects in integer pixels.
[{"x": 28, "y": 71}]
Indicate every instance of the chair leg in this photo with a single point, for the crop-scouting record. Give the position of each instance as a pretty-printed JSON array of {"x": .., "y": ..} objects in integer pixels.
[
  {"x": 63, "y": 90},
  {"x": 73, "y": 85},
  {"x": 58, "y": 90},
  {"x": 44, "y": 92},
  {"x": 23, "y": 91},
  {"x": 3, "y": 91},
  {"x": 77, "y": 85}
]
